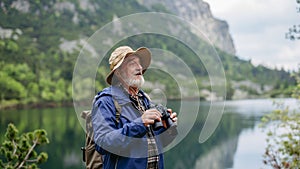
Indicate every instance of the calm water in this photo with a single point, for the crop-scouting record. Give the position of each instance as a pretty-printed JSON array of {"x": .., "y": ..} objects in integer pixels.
[{"x": 237, "y": 142}]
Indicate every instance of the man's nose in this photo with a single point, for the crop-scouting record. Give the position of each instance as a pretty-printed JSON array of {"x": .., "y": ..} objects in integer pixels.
[{"x": 139, "y": 66}]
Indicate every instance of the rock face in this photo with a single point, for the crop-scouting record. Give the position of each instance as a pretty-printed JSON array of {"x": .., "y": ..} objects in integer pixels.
[
  {"x": 195, "y": 11},
  {"x": 198, "y": 13}
]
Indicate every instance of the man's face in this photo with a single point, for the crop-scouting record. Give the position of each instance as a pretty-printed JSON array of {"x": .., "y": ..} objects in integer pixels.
[{"x": 131, "y": 71}]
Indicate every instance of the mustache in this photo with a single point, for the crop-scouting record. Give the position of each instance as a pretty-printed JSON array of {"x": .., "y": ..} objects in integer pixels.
[{"x": 139, "y": 73}]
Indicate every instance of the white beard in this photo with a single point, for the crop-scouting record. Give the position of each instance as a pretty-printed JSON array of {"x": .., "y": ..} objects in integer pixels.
[
  {"x": 133, "y": 82},
  {"x": 136, "y": 83}
]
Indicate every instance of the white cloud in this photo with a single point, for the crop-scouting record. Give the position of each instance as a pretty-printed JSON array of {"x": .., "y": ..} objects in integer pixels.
[{"x": 258, "y": 29}]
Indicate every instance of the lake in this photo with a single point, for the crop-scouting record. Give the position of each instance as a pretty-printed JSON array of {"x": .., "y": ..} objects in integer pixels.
[{"x": 236, "y": 143}]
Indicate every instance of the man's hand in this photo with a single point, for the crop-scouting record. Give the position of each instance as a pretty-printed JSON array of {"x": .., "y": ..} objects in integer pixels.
[
  {"x": 149, "y": 116},
  {"x": 173, "y": 115}
]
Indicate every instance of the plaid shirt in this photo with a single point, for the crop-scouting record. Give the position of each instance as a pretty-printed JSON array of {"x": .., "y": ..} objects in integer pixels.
[{"x": 153, "y": 155}]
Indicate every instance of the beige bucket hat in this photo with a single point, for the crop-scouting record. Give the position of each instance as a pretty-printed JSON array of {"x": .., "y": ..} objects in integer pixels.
[{"x": 118, "y": 55}]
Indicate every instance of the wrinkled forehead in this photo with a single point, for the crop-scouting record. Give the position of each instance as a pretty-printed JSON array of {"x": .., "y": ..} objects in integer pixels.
[{"x": 131, "y": 57}]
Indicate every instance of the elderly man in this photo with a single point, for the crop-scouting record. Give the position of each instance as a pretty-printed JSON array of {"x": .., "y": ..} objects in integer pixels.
[{"x": 124, "y": 118}]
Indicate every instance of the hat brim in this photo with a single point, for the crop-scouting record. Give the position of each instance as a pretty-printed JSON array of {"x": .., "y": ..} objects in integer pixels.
[{"x": 145, "y": 58}]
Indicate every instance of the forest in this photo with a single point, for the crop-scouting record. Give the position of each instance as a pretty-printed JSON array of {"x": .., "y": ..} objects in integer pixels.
[{"x": 36, "y": 70}]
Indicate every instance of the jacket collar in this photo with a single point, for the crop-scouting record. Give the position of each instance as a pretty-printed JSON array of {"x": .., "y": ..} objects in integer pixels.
[{"x": 120, "y": 95}]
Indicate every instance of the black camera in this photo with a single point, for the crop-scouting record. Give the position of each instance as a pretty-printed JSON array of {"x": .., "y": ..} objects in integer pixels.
[{"x": 166, "y": 120}]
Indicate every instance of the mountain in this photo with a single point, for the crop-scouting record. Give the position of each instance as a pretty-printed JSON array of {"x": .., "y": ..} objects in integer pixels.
[
  {"x": 198, "y": 13},
  {"x": 40, "y": 42}
]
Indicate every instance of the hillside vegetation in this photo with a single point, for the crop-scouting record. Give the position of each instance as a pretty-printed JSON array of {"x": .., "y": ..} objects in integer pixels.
[{"x": 36, "y": 68}]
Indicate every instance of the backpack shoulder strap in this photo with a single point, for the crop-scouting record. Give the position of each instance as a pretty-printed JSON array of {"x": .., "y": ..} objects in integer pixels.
[
  {"x": 87, "y": 115},
  {"x": 118, "y": 108}
]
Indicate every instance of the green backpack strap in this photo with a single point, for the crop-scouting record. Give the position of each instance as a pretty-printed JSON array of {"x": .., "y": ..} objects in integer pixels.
[{"x": 118, "y": 108}]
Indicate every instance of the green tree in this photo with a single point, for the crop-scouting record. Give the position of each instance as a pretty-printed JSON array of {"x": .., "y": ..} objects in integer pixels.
[
  {"x": 19, "y": 151},
  {"x": 10, "y": 88},
  {"x": 283, "y": 137},
  {"x": 229, "y": 90}
]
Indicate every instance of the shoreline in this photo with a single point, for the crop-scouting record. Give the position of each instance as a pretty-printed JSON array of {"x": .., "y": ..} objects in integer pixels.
[
  {"x": 71, "y": 103},
  {"x": 34, "y": 105}
]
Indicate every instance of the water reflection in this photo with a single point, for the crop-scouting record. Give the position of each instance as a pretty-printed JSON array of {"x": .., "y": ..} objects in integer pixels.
[
  {"x": 236, "y": 142},
  {"x": 220, "y": 156},
  {"x": 63, "y": 129},
  {"x": 217, "y": 152},
  {"x": 229, "y": 146},
  {"x": 251, "y": 145}
]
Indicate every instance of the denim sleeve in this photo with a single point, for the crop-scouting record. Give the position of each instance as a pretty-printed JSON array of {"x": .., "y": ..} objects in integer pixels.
[{"x": 107, "y": 135}]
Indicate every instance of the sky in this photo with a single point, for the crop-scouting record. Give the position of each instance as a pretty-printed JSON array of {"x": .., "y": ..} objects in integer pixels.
[{"x": 258, "y": 30}]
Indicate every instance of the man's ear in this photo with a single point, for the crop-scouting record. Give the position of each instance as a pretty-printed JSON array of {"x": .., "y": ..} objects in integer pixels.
[{"x": 117, "y": 73}]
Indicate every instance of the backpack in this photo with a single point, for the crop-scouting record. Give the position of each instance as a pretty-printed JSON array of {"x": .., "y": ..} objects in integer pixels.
[{"x": 90, "y": 156}]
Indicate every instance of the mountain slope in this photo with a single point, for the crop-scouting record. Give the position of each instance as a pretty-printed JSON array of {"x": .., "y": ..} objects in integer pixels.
[
  {"x": 198, "y": 13},
  {"x": 40, "y": 42}
]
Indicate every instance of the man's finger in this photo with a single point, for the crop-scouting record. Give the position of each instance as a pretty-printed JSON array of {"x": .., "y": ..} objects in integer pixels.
[{"x": 173, "y": 115}]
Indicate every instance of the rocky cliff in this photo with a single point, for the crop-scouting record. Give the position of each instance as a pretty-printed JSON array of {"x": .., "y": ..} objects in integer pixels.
[
  {"x": 198, "y": 13},
  {"x": 195, "y": 11}
]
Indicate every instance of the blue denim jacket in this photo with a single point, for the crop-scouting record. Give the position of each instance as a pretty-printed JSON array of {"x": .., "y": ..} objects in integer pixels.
[{"x": 123, "y": 144}]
